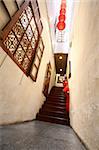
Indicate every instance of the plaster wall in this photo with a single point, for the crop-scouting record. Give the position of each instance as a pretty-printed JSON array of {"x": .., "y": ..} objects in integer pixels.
[{"x": 84, "y": 81}]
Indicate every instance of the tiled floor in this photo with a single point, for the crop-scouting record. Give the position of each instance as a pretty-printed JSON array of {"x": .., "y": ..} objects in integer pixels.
[{"x": 38, "y": 135}]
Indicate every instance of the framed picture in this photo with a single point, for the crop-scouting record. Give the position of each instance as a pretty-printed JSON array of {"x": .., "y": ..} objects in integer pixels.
[{"x": 47, "y": 79}]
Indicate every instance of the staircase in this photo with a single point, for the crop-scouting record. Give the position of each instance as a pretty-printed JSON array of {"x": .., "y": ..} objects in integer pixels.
[{"x": 54, "y": 108}]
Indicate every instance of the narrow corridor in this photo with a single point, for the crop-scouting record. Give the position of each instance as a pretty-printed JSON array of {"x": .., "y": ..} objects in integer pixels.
[
  {"x": 46, "y": 44},
  {"x": 38, "y": 135}
]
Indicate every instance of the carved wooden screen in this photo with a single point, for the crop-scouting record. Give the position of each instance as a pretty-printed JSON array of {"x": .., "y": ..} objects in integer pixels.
[
  {"x": 37, "y": 60},
  {"x": 21, "y": 36},
  {"x": 37, "y": 16}
]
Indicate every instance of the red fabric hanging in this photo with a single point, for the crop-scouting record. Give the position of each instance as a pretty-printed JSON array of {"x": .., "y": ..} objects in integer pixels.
[
  {"x": 66, "y": 89},
  {"x": 67, "y": 102},
  {"x": 65, "y": 83}
]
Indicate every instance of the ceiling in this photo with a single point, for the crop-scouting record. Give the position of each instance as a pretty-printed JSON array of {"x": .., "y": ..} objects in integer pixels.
[
  {"x": 60, "y": 46},
  {"x": 61, "y": 63},
  {"x": 60, "y": 39}
]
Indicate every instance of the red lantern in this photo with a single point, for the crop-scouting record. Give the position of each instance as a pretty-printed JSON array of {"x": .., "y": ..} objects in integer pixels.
[
  {"x": 63, "y": 6},
  {"x": 61, "y": 25},
  {"x": 62, "y": 11},
  {"x": 61, "y": 18},
  {"x": 63, "y": 1}
]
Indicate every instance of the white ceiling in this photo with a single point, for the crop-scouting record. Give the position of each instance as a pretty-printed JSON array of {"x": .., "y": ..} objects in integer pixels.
[{"x": 53, "y": 7}]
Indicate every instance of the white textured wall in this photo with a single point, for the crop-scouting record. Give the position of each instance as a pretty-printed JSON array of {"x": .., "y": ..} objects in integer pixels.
[
  {"x": 20, "y": 97},
  {"x": 84, "y": 82}
]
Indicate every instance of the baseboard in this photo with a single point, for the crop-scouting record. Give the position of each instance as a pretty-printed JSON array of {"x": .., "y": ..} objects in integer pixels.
[{"x": 17, "y": 122}]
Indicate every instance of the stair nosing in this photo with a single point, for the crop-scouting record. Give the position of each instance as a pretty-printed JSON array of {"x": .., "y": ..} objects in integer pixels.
[{"x": 63, "y": 119}]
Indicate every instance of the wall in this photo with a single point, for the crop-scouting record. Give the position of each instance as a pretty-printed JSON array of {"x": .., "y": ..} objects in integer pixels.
[
  {"x": 84, "y": 81},
  {"x": 20, "y": 97}
]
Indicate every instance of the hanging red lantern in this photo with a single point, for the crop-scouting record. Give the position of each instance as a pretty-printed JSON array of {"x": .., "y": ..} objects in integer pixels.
[
  {"x": 63, "y": 1},
  {"x": 63, "y": 6},
  {"x": 61, "y": 18},
  {"x": 63, "y": 11},
  {"x": 61, "y": 25}
]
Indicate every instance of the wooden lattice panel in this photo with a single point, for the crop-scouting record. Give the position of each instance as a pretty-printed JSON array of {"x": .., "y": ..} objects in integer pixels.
[
  {"x": 11, "y": 42},
  {"x": 18, "y": 30},
  {"x": 19, "y": 54},
  {"x": 29, "y": 13},
  {"x": 21, "y": 37},
  {"x": 37, "y": 60}
]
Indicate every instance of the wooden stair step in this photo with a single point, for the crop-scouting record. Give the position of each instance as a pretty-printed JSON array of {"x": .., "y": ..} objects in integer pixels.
[
  {"x": 57, "y": 94},
  {"x": 53, "y": 119},
  {"x": 55, "y": 103},
  {"x": 45, "y": 107},
  {"x": 56, "y": 98},
  {"x": 61, "y": 97},
  {"x": 58, "y": 106},
  {"x": 54, "y": 113}
]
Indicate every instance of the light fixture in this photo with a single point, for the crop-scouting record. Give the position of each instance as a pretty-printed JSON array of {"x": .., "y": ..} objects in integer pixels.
[
  {"x": 60, "y": 69},
  {"x": 60, "y": 57}
]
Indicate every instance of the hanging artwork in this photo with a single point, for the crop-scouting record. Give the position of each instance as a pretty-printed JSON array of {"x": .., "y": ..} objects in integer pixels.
[{"x": 47, "y": 80}]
